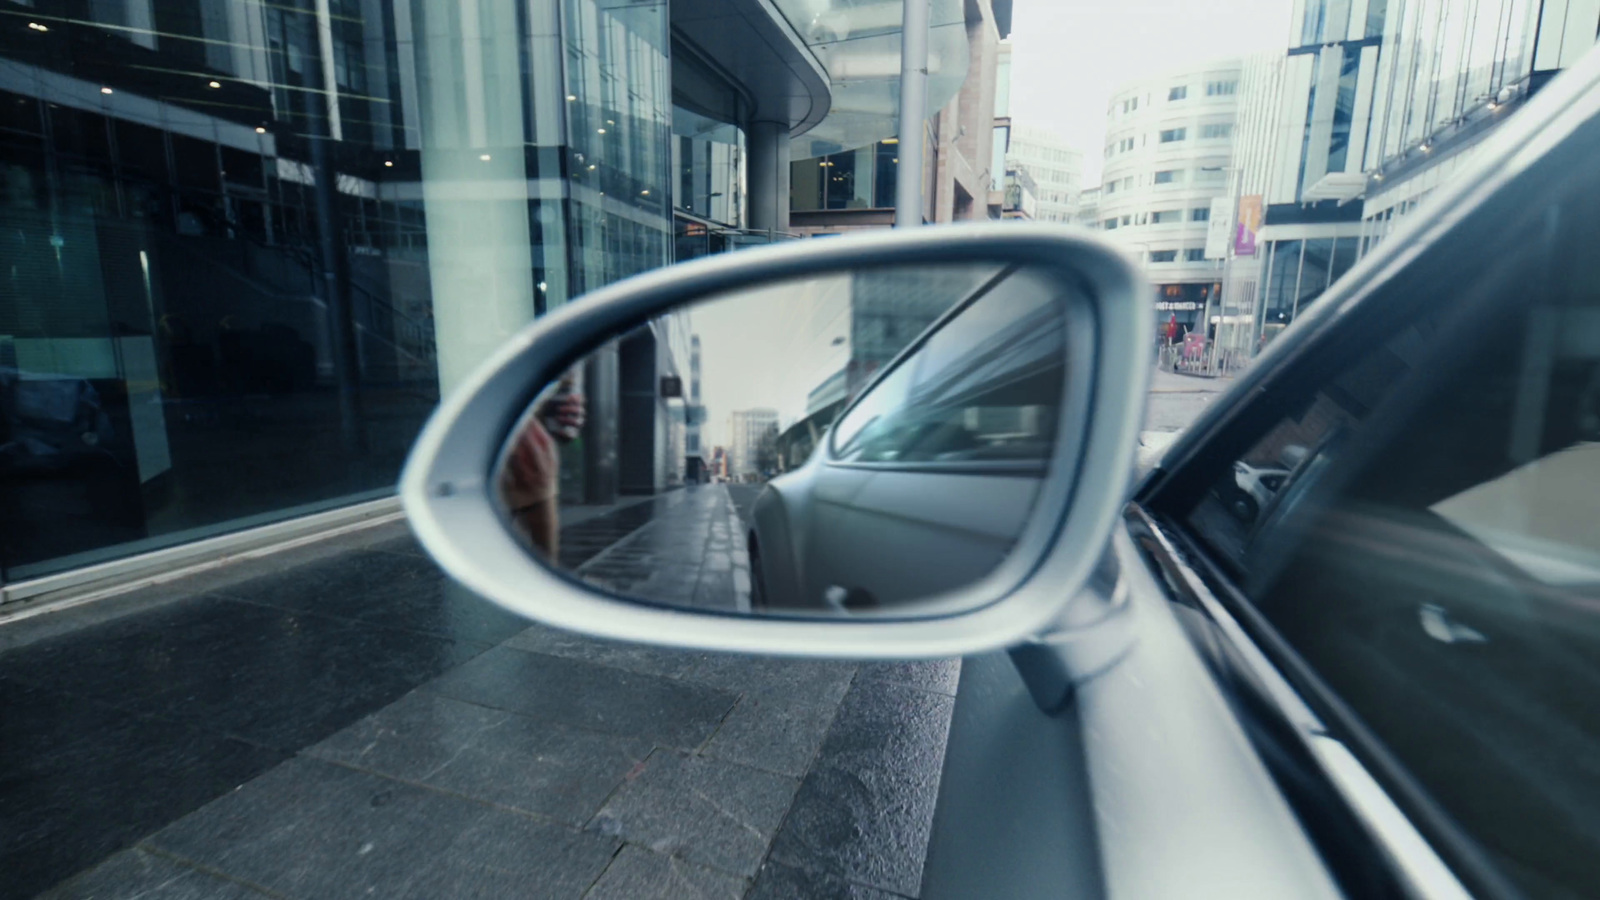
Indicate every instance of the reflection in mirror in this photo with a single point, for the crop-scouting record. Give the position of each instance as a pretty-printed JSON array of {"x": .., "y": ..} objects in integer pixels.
[{"x": 852, "y": 443}]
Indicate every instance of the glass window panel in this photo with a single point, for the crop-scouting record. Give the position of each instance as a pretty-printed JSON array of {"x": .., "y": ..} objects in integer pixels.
[
  {"x": 1283, "y": 272},
  {"x": 169, "y": 308},
  {"x": 888, "y": 166},
  {"x": 1314, "y": 270}
]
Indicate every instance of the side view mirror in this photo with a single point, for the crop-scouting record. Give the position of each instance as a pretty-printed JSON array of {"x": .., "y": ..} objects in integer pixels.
[{"x": 906, "y": 444}]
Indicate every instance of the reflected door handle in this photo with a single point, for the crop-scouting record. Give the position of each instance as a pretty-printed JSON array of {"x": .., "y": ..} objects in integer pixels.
[
  {"x": 1436, "y": 622},
  {"x": 844, "y": 599}
]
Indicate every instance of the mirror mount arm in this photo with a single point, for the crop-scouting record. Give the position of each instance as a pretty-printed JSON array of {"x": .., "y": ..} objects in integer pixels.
[{"x": 1092, "y": 634}]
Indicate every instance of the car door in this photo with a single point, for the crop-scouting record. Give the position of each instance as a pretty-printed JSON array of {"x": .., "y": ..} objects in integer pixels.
[
  {"x": 927, "y": 482},
  {"x": 1426, "y": 579}
]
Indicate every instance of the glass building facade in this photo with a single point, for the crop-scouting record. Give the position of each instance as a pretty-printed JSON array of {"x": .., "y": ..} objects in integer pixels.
[
  {"x": 1377, "y": 104},
  {"x": 246, "y": 245}
]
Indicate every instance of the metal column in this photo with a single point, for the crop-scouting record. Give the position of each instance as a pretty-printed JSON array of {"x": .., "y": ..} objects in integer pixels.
[
  {"x": 913, "y": 104},
  {"x": 769, "y": 177}
]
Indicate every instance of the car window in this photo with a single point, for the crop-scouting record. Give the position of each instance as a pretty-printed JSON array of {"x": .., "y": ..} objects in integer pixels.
[
  {"x": 1431, "y": 544},
  {"x": 985, "y": 387}
]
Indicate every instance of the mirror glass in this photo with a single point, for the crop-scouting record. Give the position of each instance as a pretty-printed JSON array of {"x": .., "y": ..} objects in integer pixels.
[{"x": 852, "y": 443}]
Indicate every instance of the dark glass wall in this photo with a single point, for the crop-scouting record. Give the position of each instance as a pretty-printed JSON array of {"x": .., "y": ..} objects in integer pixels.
[
  {"x": 857, "y": 179},
  {"x": 233, "y": 240}
]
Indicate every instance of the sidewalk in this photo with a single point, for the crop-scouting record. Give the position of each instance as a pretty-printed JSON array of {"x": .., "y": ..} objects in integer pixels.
[
  {"x": 341, "y": 720},
  {"x": 1176, "y": 400}
]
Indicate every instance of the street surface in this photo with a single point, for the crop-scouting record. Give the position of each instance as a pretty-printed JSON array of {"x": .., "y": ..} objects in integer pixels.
[
  {"x": 1175, "y": 402},
  {"x": 689, "y": 552}
]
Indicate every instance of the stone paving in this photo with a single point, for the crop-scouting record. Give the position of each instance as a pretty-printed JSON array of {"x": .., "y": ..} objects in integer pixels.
[
  {"x": 342, "y": 721},
  {"x": 689, "y": 553},
  {"x": 1176, "y": 400}
]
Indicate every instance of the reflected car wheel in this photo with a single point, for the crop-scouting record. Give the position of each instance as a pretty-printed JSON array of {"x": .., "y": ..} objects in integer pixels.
[
  {"x": 1243, "y": 506},
  {"x": 758, "y": 582}
]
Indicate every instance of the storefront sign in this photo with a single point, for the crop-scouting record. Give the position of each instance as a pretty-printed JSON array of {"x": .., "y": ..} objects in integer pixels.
[
  {"x": 1249, "y": 225},
  {"x": 1177, "y": 305}
]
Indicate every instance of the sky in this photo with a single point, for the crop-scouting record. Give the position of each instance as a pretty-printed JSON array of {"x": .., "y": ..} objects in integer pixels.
[
  {"x": 767, "y": 348},
  {"x": 1070, "y": 56}
]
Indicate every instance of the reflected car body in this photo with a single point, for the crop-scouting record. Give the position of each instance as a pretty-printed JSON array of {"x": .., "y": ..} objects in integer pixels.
[
  {"x": 1254, "y": 488},
  {"x": 827, "y": 537},
  {"x": 926, "y": 480}
]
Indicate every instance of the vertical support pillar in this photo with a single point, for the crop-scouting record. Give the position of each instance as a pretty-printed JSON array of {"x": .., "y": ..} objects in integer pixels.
[
  {"x": 769, "y": 176},
  {"x": 913, "y": 103}
]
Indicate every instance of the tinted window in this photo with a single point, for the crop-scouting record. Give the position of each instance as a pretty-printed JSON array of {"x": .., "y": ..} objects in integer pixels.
[
  {"x": 986, "y": 386},
  {"x": 1431, "y": 545}
]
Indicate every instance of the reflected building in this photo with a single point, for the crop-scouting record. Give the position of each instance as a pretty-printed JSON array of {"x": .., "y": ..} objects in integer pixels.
[
  {"x": 857, "y": 328},
  {"x": 695, "y": 467},
  {"x": 752, "y": 434},
  {"x": 249, "y": 244}
]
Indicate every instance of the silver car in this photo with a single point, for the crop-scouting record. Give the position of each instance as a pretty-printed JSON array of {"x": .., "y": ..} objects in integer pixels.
[{"x": 926, "y": 480}]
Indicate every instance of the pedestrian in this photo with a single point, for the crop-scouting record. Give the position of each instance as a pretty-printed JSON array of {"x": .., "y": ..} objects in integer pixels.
[{"x": 531, "y": 481}]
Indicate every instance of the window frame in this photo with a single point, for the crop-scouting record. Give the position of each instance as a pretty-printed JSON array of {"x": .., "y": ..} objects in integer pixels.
[
  {"x": 1327, "y": 354},
  {"x": 910, "y": 354},
  {"x": 1373, "y": 303}
]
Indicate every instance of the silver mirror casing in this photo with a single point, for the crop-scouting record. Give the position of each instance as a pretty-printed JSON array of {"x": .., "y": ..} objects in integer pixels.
[{"x": 447, "y": 486}]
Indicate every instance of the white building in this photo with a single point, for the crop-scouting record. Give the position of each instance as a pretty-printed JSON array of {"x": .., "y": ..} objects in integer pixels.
[
  {"x": 1168, "y": 151},
  {"x": 746, "y": 427},
  {"x": 1087, "y": 212},
  {"x": 1055, "y": 166}
]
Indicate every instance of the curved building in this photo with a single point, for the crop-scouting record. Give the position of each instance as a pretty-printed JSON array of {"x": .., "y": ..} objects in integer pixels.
[{"x": 1167, "y": 157}]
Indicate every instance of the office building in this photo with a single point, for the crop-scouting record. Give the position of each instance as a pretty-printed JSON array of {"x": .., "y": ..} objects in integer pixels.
[
  {"x": 752, "y": 448},
  {"x": 1053, "y": 164},
  {"x": 1169, "y": 141}
]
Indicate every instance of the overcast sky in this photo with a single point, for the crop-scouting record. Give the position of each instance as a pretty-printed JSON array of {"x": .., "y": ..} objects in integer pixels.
[
  {"x": 768, "y": 348},
  {"x": 1069, "y": 56}
]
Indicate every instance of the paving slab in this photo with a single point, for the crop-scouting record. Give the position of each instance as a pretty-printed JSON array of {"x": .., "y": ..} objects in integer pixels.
[
  {"x": 707, "y": 811},
  {"x": 139, "y": 875},
  {"x": 864, "y": 811},
  {"x": 312, "y": 829},
  {"x": 491, "y": 755},
  {"x": 639, "y": 874},
  {"x": 583, "y": 695}
]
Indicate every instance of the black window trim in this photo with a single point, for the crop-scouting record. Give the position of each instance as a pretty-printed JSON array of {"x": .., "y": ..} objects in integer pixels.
[{"x": 1258, "y": 670}]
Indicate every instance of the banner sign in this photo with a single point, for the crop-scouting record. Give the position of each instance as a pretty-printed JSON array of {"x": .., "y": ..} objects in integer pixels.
[{"x": 1244, "y": 238}]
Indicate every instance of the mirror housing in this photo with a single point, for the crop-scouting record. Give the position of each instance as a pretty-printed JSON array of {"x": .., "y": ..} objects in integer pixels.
[{"x": 448, "y": 486}]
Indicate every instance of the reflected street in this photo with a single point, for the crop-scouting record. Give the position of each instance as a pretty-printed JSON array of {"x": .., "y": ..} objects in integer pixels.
[{"x": 685, "y": 548}]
